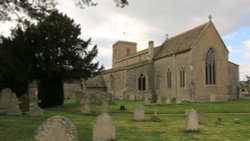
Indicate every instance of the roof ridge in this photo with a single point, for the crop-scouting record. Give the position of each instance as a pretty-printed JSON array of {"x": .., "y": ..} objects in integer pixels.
[{"x": 182, "y": 33}]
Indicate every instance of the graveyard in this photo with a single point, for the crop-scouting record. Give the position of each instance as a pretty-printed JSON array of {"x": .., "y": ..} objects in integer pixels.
[{"x": 223, "y": 121}]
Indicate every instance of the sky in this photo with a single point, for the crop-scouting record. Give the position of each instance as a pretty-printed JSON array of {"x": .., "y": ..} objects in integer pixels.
[{"x": 145, "y": 20}]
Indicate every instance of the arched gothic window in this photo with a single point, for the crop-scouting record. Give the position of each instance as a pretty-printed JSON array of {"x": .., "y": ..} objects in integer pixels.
[
  {"x": 141, "y": 83},
  {"x": 210, "y": 68},
  {"x": 182, "y": 78},
  {"x": 169, "y": 79}
]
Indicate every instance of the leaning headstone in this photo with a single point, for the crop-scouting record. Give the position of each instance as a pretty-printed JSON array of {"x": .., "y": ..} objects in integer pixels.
[
  {"x": 139, "y": 114},
  {"x": 14, "y": 109},
  {"x": 56, "y": 128},
  {"x": 24, "y": 106},
  {"x": 191, "y": 120},
  {"x": 5, "y": 99},
  {"x": 104, "y": 128},
  {"x": 201, "y": 118}
]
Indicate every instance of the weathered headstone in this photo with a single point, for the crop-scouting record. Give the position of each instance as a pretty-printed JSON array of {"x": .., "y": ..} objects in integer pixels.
[
  {"x": 212, "y": 98},
  {"x": 5, "y": 98},
  {"x": 14, "y": 109},
  {"x": 24, "y": 105},
  {"x": 191, "y": 120},
  {"x": 201, "y": 118},
  {"x": 56, "y": 129},
  {"x": 78, "y": 96},
  {"x": 35, "y": 110},
  {"x": 139, "y": 113},
  {"x": 146, "y": 100},
  {"x": 104, "y": 128},
  {"x": 85, "y": 105}
]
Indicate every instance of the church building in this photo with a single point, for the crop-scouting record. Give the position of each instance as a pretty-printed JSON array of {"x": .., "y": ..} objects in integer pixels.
[{"x": 191, "y": 66}]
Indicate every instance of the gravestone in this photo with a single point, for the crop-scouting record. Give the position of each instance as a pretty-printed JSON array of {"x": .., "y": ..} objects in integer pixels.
[
  {"x": 35, "y": 110},
  {"x": 24, "y": 106},
  {"x": 56, "y": 128},
  {"x": 5, "y": 99},
  {"x": 201, "y": 118},
  {"x": 85, "y": 105},
  {"x": 139, "y": 114},
  {"x": 14, "y": 109},
  {"x": 146, "y": 100},
  {"x": 191, "y": 120},
  {"x": 104, "y": 128},
  {"x": 78, "y": 96},
  {"x": 212, "y": 98}
]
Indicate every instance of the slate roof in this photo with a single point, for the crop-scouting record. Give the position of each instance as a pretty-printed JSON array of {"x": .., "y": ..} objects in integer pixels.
[{"x": 180, "y": 43}]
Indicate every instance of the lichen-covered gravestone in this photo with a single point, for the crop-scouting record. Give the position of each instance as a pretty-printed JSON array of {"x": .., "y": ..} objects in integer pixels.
[
  {"x": 104, "y": 128},
  {"x": 56, "y": 129},
  {"x": 14, "y": 109},
  {"x": 5, "y": 99},
  {"x": 191, "y": 120},
  {"x": 24, "y": 105},
  {"x": 139, "y": 113}
]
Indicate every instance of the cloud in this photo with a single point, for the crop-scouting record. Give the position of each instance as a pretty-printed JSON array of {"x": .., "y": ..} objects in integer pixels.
[
  {"x": 247, "y": 44},
  {"x": 244, "y": 70}
]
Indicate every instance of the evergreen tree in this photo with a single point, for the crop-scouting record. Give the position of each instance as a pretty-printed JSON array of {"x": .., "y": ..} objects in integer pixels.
[{"x": 55, "y": 52}]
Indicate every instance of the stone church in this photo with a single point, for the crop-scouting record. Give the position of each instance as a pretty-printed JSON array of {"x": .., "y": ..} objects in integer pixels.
[{"x": 191, "y": 66}]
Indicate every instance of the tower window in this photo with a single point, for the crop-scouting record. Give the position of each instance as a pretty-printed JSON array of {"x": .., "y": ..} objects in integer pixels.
[{"x": 127, "y": 51}]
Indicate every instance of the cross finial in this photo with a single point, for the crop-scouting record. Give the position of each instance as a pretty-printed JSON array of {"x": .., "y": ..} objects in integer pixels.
[
  {"x": 210, "y": 18},
  {"x": 166, "y": 36},
  {"x": 124, "y": 35}
]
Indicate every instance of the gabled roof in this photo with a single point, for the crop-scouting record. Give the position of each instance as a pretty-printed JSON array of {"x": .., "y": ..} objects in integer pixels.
[{"x": 182, "y": 42}]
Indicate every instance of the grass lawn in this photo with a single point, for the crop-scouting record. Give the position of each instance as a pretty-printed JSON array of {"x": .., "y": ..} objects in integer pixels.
[{"x": 171, "y": 127}]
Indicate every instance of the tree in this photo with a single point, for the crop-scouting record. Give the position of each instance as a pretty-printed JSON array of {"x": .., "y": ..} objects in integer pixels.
[
  {"x": 37, "y": 9},
  {"x": 59, "y": 54},
  {"x": 16, "y": 68}
]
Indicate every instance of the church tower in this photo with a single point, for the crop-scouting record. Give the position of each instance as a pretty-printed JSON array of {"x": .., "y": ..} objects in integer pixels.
[{"x": 121, "y": 50}]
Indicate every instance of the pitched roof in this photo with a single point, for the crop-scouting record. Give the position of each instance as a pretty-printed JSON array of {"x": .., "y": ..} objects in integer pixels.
[{"x": 180, "y": 43}]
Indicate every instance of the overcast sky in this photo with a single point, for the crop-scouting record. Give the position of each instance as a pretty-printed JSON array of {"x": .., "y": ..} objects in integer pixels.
[{"x": 145, "y": 20}]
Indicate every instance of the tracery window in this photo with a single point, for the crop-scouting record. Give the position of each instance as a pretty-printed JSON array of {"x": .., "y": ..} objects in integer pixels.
[
  {"x": 169, "y": 79},
  {"x": 182, "y": 78},
  {"x": 142, "y": 83},
  {"x": 210, "y": 68}
]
